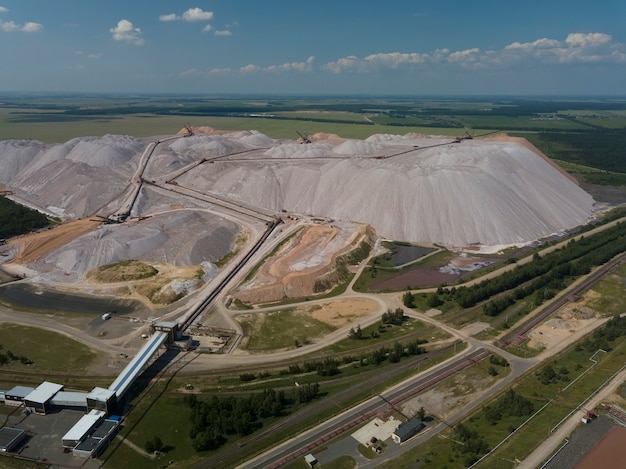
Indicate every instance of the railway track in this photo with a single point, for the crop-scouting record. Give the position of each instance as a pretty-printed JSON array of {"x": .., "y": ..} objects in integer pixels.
[{"x": 229, "y": 457}]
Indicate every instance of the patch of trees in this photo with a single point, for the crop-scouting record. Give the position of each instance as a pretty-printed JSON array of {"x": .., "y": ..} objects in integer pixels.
[
  {"x": 154, "y": 444},
  {"x": 9, "y": 357},
  {"x": 408, "y": 299},
  {"x": 15, "y": 219},
  {"x": 395, "y": 317},
  {"x": 602, "y": 149},
  {"x": 394, "y": 353},
  {"x": 474, "y": 445},
  {"x": 604, "y": 336},
  {"x": 497, "y": 360},
  {"x": 328, "y": 367},
  {"x": 509, "y": 405},
  {"x": 546, "y": 274},
  {"x": 547, "y": 375},
  {"x": 214, "y": 420}
]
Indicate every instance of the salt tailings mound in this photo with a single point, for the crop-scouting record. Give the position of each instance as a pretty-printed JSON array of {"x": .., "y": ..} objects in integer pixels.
[
  {"x": 474, "y": 192},
  {"x": 412, "y": 188}
]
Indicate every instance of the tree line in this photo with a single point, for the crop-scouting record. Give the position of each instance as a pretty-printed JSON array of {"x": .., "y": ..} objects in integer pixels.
[
  {"x": 215, "y": 419},
  {"x": 544, "y": 275},
  {"x": 15, "y": 219}
]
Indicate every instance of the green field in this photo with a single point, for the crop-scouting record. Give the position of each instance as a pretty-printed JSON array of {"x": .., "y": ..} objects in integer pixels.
[
  {"x": 587, "y": 132},
  {"x": 50, "y": 352},
  {"x": 281, "y": 329}
]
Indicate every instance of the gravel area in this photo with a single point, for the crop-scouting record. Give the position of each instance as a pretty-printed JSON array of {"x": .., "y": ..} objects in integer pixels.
[{"x": 581, "y": 441}]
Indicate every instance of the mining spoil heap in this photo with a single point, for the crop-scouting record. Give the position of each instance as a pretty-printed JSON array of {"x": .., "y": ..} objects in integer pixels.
[{"x": 412, "y": 188}]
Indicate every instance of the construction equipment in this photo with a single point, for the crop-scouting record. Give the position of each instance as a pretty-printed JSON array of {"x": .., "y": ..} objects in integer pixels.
[{"x": 305, "y": 137}]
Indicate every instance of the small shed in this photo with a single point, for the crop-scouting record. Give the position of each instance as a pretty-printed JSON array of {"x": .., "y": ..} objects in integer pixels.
[
  {"x": 407, "y": 430},
  {"x": 310, "y": 460},
  {"x": 39, "y": 399}
]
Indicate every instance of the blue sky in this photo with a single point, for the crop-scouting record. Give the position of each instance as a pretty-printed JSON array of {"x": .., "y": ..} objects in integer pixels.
[{"x": 419, "y": 47}]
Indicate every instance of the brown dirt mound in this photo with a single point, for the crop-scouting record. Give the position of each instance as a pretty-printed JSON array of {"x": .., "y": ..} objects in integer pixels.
[
  {"x": 277, "y": 279},
  {"x": 35, "y": 246}
]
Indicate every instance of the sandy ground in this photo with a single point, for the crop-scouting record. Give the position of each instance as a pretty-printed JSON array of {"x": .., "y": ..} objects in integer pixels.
[
  {"x": 448, "y": 397},
  {"x": 293, "y": 271},
  {"x": 342, "y": 312},
  {"x": 571, "y": 322},
  {"x": 37, "y": 245}
]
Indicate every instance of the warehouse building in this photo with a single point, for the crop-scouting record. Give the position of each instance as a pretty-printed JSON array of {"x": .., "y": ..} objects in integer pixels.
[
  {"x": 407, "y": 430},
  {"x": 102, "y": 399},
  {"x": 90, "y": 435},
  {"x": 79, "y": 432},
  {"x": 70, "y": 400},
  {"x": 39, "y": 401},
  {"x": 15, "y": 396},
  {"x": 10, "y": 438}
]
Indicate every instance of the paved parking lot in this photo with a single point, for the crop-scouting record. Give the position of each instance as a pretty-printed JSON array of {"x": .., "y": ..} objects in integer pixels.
[{"x": 45, "y": 433}]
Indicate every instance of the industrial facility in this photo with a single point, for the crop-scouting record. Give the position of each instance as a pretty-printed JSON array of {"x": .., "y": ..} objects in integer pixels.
[{"x": 91, "y": 434}]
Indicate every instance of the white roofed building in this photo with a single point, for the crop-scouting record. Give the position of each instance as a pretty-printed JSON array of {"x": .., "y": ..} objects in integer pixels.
[{"x": 39, "y": 399}]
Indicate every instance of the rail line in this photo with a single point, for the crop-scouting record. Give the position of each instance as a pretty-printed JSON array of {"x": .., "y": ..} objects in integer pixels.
[{"x": 518, "y": 336}]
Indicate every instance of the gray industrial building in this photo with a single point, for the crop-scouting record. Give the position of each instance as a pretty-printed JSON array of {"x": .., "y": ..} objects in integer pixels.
[
  {"x": 15, "y": 396},
  {"x": 407, "y": 430},
  {"x": 38, "y": 401}
]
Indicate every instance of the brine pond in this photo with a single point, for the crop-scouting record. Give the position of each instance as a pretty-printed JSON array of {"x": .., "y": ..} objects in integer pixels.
[{"x": 24, "y": 296}]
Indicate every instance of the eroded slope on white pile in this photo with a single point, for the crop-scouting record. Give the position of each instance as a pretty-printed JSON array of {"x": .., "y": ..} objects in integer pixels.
[{"x": 487, "y": 192}]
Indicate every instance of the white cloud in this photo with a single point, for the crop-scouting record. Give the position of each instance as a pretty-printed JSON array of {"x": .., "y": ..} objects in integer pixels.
[
  {"x": 30, "y": 27},
  {"x": 9, "y": 26},
  {"x": 94, "y": 56},
  {"x": 306, "y": 66},
  {"x": 576, "y": 48},
  {"x": 350, "y": 63},
  {"x": 193, "y": 15},
  {"x": 543, "y": 43},
  {"x": 223, "y": 32},
  {"x": 170, "y": 17},
  {"x": 250, "y": 69},
  {"x": 467, "y": 55},
  {"x": 588, "y": 40},
  {"x": 125, "y": 31},
  {"x": 396, "y": 59},
  {"x": 197, "y": 14}
]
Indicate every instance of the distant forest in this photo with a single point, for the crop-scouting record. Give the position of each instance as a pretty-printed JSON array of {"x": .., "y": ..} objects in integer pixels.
[{"x": 16, "y": 219}]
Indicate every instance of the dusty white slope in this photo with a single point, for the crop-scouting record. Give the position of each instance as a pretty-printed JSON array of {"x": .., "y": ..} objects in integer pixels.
[
  {"x": 184, "y": 237},
  {"x": 77, "y": 178},
  {"x": 85, "y": 176},
  {"x": 487, "y": 192}
]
